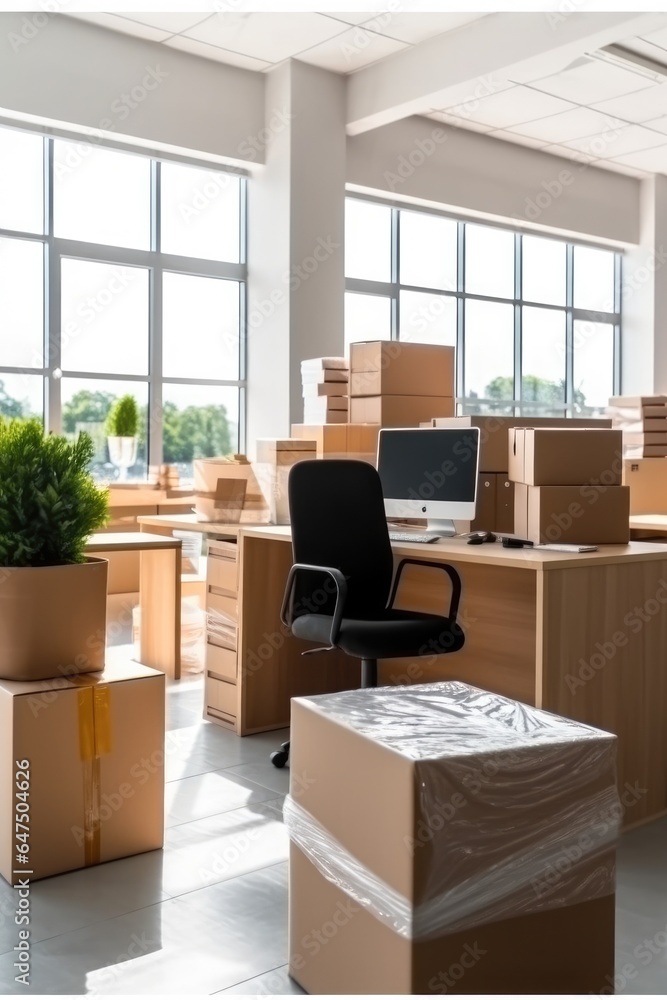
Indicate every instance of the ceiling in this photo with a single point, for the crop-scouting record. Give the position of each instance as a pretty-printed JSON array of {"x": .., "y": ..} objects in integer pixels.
[
  {"x": 613, "y": 115},
  {"x": 259, "y": 41}
]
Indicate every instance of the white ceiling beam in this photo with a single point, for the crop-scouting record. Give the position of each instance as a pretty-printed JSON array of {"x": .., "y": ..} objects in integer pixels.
[{"x": 467, "y": 63}]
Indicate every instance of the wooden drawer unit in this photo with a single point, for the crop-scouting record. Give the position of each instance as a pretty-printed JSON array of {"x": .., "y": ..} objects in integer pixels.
[
  {"x": 222, "y": 618},
  {"x": 220, "y": 700},
  {"x": 222, "y": 570},
  {"x": 221, "y": 662}
]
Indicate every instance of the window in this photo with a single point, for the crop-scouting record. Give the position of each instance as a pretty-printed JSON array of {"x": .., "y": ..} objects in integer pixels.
[
  {"x": 536, "y": 321},
  {"x": 130, "y": 279}
]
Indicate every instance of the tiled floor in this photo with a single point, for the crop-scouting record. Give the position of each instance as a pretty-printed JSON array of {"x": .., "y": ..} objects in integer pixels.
[{"x": 208, "y": 914}]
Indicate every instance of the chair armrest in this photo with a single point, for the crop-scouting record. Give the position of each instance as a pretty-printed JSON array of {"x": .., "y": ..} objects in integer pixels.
[
  {"x": 287, "y": 610},
  {"x": 446, "y": 568}
]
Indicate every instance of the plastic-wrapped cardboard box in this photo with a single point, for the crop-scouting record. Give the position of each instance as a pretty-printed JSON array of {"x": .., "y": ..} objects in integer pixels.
[
  {"x": 577, "y": 515},
  {"x": 89, "y": 752},
  {"x": 558, "y": 456},
  {"x": 397, "y": 368},
  {"x": 444, "y": 839},
  {"x": 647, "y": 479}
]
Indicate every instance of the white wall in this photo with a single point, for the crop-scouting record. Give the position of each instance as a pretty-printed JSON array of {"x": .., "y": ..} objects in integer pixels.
[
  {"x": 296, "y": 278},
  {"x": 418, "y": 158},
  {"x": 73, "y": 72}
]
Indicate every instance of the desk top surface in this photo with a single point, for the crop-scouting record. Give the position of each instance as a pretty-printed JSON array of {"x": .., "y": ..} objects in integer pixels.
[
  {"x": 114, "y": 541},
  {"x": 649, "y": 522},
  {"x": 450, "y": 549}
]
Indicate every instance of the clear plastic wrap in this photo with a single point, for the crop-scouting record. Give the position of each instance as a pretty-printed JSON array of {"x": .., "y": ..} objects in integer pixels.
[{"x": 516, "y": 809}]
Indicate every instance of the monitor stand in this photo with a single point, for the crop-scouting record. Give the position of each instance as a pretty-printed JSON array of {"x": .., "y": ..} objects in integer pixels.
[{"x": 442, "y": 526}]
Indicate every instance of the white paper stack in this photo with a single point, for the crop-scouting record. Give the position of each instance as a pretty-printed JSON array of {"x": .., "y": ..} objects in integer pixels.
[{"x": 326, "y": 383}]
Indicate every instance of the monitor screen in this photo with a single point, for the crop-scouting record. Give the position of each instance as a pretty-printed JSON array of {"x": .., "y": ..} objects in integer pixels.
[{"x": 429, "y": 471}]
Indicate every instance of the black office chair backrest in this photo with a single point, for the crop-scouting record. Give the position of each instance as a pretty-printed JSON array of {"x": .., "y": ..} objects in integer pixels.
[{"x": 338, "y": 520}]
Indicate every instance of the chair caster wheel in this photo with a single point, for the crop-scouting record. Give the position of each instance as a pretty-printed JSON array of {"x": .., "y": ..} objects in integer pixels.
[{"x": 279, "y": 758}]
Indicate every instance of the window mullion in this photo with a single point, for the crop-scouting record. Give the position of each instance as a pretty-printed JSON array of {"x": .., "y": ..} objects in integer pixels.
[{"x": 569, "y": 330}]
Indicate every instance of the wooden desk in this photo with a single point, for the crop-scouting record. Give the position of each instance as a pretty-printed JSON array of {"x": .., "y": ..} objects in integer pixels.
[
  {"x": 582, "y": 635},
  {"x": 648, "y": 525},
  {"x": 159, "y": 592}
]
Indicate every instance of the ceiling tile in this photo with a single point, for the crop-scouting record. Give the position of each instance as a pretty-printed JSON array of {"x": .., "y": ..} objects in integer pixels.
[
  {"x": 270, "y": 37},
  {"x": 413, "y": 28},
  {"x": 589, "y": 80},
  {"x": 351, "y": 50},
  {"x": 658, "y": 38},
  {"x": 520, "y": 140},
  {"x": 512, "y": 107},
  {"x": 658, "y": 124},
  {"x": 458, "y": 121},
  {"x": 355, "y": 17},
  {"x": 568, "y": 125},
  {"x": 652, "y": 160},
  {"x": 617, "y": 142},
  {"x": 115, "y": 22},
  {"x": 651, "y": 102},
  {"x": 172, "y": 23},
  {"x": 205, "y": 51}
]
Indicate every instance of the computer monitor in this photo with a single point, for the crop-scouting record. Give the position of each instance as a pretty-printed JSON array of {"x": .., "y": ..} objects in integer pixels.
[{"x": 430, "y": 472}]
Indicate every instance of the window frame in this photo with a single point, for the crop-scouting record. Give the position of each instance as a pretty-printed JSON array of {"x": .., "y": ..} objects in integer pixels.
[
  {"x": 467, "y": 404},
  {"x": 55, "y": 249}
]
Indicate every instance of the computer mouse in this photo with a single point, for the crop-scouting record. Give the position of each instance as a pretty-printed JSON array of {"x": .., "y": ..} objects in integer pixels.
[{"x": 477, "y": 537}]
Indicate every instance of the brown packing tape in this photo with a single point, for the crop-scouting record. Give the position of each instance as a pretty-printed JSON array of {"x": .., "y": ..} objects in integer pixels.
[{"x": 94, "y": 717}]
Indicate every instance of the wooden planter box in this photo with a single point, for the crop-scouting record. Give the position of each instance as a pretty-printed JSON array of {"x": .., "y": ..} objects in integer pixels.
[{"x": 52, "y": 620}]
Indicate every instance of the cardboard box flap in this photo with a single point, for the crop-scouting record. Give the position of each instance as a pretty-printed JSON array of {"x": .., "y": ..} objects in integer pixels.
[
  {"x": 113, "y": 674},
  {"x": 553, "y": 776}
]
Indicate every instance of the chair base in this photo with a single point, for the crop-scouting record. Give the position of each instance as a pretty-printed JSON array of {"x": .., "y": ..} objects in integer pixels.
[{"x": 369, "y": 679}]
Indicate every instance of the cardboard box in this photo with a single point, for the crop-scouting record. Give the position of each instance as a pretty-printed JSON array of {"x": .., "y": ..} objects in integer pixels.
[
  {"x": 485, "y": 505},
  {"x": 493, "y": 436},
  {"x": 313, "y": 390},
  {"x": 643, "y": 425},
  {"x": 226, "y": 491},
  {"x": 622, "y": 414},
  {"x": 645, "y": 451},
  {"x": 95, "y": 747},
  {"x": 504, "y": 505},
  {"x": 647, "y": 480},
  {"x": 275, "y": 458},
  {"x": 341, "y": 441},
  {"x": 555, "y": 456},
  {"x": 578, "y": 515},
  {"x": 397, "y": 368},
  {"x": 407, "y": 827},
  {"x": 399, "y": 411},
  {"x": 636, "y": 402}
]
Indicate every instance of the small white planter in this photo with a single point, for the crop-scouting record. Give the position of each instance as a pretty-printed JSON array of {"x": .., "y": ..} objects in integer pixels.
[{"x": 123, "y": 453}]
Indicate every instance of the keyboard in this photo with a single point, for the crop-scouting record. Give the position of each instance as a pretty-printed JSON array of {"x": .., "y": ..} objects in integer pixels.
[{"x": 411, "y": 536}]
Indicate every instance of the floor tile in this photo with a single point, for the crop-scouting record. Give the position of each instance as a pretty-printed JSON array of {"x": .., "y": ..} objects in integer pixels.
[
  {"x": 265, "y": 774},
  {"x": 208, "y": 794},
  {"x": 224, "y": 846},
  {"x": 275, "y": 983},
  {"x": 199, "y": 943}
]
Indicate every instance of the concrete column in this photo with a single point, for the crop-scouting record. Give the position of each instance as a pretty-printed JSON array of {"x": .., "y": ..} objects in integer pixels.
[
  {"x": 295, "y": 243},
  {"x": 644, "y": 297}
]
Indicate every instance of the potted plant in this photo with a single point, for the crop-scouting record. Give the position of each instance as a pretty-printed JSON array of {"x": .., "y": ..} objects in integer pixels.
[
  {"x": 52, "y": 598},
  {"x": 122, "y": 425}
]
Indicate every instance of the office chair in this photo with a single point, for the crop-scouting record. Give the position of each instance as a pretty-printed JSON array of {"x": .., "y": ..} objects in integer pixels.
[{"x": 339, "y": 591}]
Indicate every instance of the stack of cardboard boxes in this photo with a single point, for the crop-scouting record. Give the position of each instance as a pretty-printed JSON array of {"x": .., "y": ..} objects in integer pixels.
[
  {"x": 567, "y": 486},
  {"x": 325, "y": 383},
  {"x": 274, "y": 461},
  {"x": 643, "y": 421},
  {"x": 396, "y": 384},
  {"x": 358, "y": 441},
  {"x": 495, "y": 490}
]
